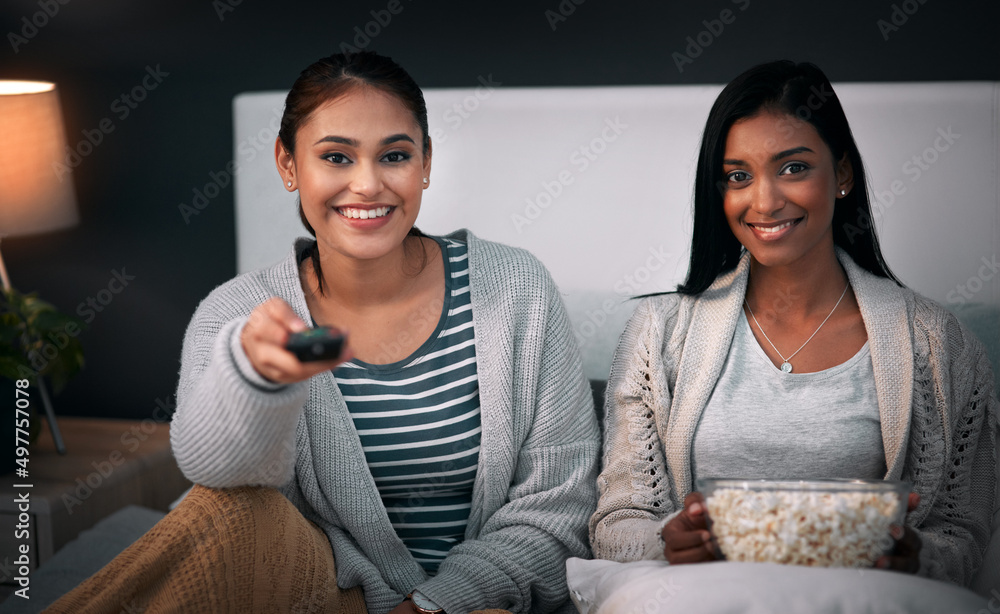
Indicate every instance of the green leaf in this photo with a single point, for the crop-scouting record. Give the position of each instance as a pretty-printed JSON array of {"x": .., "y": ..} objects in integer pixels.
[
  {"x": 16, "y": 369},
  {"x": 28, "y": 327},
  {"x": 47, "y": 321}
]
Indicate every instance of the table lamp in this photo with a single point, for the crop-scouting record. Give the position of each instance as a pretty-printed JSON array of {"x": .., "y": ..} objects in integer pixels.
[{"x": 34, "y": 197}]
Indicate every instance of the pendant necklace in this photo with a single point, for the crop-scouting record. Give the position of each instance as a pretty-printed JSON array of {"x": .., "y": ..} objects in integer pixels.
[{"x": 786, "y": 367}]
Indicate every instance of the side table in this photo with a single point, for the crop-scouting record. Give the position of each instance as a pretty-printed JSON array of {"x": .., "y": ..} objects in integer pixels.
[{"x": 109, "y": 464}]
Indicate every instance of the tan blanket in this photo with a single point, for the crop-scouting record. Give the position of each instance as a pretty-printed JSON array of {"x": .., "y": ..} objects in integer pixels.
[{"x": 229, "y": 550}]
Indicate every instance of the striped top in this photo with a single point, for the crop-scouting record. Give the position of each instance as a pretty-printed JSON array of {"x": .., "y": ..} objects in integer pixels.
[{"x": 419, "y": 423}]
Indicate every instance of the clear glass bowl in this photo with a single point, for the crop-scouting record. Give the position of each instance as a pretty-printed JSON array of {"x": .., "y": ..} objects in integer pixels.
[{"x": 822, "y": 523}]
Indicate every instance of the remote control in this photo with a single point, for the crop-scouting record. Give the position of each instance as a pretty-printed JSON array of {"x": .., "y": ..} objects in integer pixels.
[{"x": 323, "y": 343}]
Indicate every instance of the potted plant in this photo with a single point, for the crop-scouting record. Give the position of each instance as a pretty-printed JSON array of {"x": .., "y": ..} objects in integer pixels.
[{"x": 38, "y": 342}]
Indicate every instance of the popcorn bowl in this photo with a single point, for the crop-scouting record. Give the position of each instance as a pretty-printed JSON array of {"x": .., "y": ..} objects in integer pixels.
[{"x": 819, "y": 523}]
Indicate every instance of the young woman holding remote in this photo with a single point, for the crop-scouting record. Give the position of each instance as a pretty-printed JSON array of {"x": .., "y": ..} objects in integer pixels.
[
  {"x": 791, "y": 351},
  {"x": 446, "y": 462}
]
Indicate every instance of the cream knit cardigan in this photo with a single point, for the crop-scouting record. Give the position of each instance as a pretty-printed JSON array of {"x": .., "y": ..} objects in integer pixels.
[
  {"x": 535, "y": 485},
  {"x": 935, "y": 399}
]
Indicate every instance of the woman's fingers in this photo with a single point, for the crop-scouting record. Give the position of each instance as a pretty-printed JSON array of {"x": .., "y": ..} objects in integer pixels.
[
  {"x": 694, "y": 511},
  {"x": 274, "y": 320},
  {"x": 906, "y": 554},
  {"x": 684, "y": 540},
  {"x": 898, "y": 563},
  {"x": 279, "y": 365},
  {"x": 270, "y": 323},
  {"x": 908, "y": 549},
  {"x": 264, "y": 337},
  {"x": 699, "y": 554},
  {"x": 687, "y": 546},
  {"x": 686, "y": 537}
]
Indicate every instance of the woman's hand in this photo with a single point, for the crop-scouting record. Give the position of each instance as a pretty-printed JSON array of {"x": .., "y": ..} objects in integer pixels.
[
  {"x": 905, "y": 555},
  {"x": 264, "y": 337},
  {"x": 687, "y": 537},
  {"x": 404, "y": 608}
]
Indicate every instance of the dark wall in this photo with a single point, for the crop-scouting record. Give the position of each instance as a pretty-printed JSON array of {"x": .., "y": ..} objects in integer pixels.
[{"x": 198, "y": 55}]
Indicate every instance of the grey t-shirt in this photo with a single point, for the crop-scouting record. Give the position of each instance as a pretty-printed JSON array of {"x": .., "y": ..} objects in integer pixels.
[{"x": 762, "y": 423}]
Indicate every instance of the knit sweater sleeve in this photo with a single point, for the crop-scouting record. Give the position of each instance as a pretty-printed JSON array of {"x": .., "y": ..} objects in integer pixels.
[
  {"x": 518, "y": 559},
  {"x": 951, "y": 457},
  {"x": 634, "y": 484},
  {"x": 231, "y": 427}
]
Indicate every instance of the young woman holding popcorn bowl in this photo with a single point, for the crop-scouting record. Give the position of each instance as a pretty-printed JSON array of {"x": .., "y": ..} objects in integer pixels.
[{"x": 792, "y": 352}]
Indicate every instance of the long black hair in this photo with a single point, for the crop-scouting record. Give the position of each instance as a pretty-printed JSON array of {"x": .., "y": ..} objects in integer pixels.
[{"x": 801, "y": 91}]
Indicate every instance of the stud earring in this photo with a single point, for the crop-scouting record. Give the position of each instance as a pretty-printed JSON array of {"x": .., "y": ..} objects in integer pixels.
[
  {"x": 843, "y": 192},
  {"x": 425, "y": 180},
  {"x": 289, "y": 184}
]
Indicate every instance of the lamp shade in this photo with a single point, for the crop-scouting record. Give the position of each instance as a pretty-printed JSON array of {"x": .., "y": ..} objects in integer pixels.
[{"x": 34, "y": 196}]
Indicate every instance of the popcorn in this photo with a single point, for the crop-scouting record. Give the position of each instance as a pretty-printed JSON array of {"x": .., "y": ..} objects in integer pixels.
[{"x": 823, "y": 529}]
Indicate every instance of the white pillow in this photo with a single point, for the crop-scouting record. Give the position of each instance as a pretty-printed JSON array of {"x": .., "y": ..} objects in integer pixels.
[{"x": 654, "y": 587}]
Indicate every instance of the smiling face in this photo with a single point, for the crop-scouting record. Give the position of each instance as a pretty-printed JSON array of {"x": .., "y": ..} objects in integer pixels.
[
  {"x": 359, "y": 169},
  {"x": 781, "y": 188}
]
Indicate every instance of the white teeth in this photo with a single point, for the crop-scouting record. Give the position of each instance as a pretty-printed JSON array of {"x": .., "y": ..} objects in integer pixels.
[
  {"x": 363, "y": 214},
  {"x": 773, "y": 228}
]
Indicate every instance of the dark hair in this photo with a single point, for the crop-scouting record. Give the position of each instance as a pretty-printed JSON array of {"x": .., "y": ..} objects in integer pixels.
[
  {"x": 804, "y": 92},
  {"x": 333, "y": 76}
]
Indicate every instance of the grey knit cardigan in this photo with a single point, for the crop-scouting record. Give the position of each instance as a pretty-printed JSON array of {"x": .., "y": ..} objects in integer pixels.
[
  {"x": 535, "y": 485},
  {"x": 936, "y": 405}
]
